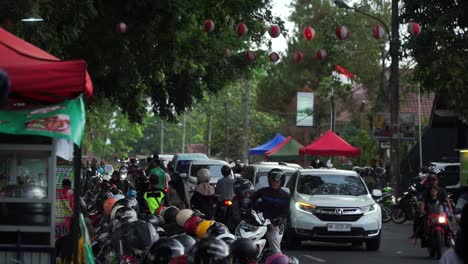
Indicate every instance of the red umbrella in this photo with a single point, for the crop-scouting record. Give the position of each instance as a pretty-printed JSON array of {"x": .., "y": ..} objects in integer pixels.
[{"x": 330, "y": 144}]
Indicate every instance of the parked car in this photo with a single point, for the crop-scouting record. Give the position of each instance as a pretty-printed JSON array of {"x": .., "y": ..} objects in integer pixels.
[
  {"x": 257, "y": 173},
  {"x": 165, "y": 158},
  {"x": 213, "y": 165},
  {"x": 182, "y": 161},
  {"x": 333, "y": 206},
  {"x": 294, "y": 165}
]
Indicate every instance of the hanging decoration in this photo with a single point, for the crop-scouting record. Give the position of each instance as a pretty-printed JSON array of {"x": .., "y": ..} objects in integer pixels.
[
  {"x": 250, "y": 55},
  {"x": 209, "y": 25},
  {"x": 241, "y": 29},
  {"x": 274, "y": 57},
  {"x": 298, "y": 56},
  {"x": 227, "y": 53},
  {"x": 274, "y": 31},
  {"x": 414, "y": 29},
  {"x": 121, "y": 27},
  {"x": 321, "y": 54},
  {"x": 378, "y": 32},
  {"x": 309, "y": 33},
  {"x": 342, "y": 33}
]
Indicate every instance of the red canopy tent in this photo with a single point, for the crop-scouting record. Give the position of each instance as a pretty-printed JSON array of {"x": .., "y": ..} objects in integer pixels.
[
  {"x": 330, "y": 144},
  {"x": 37, "y": 75}
]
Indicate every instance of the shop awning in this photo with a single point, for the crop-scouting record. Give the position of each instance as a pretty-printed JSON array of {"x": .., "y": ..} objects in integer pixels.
[
  {"x": 330, "y": 144},
  {"x": 286, "y": 151},
  {"x": 260, "y": 150},
  {"x": 38, "y": 75}
]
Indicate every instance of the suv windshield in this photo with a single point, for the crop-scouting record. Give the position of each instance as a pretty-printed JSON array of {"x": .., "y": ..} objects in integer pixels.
[{"x": 331, "y": 185}]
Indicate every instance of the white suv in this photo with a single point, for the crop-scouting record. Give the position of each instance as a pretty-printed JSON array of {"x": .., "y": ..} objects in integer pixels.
[{"x": 332, "y": 206}]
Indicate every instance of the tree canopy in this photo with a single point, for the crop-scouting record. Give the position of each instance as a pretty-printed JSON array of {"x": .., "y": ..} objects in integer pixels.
[
  {"x": 165, "y": 55},
  {"x": 441, "y": 50}
]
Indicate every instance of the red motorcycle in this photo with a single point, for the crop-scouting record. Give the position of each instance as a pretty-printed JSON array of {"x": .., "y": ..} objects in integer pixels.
[{"x": 438, "y": 233}]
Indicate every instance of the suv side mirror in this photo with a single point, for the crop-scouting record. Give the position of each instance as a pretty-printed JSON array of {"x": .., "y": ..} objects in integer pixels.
[
  {"x": 376, "y": 193},
  {"x": 183, "y": 175}
]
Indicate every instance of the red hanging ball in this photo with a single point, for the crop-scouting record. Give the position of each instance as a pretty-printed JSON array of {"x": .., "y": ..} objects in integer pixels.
[
  {"x": 298, "y": 56},
  {"x": 250, "y": 55},
  {"x": 241, "y": 29},
  {"x": 209, "y": 25},
  {"x": 321, "y": 54},
  {"x": 309, "y": 33},
  {"x": 342, "y": 33},
  {"x": 378, "y": 32},
  {"x": 414, "y": 29},
  {"x": 121, "y": 27},
  {"x": 274, "y": 31},
  {"x": 274, "y": 57}
]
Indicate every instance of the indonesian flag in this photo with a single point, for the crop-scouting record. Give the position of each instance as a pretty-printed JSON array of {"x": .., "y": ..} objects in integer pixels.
[{"x": 345, "y": 72}]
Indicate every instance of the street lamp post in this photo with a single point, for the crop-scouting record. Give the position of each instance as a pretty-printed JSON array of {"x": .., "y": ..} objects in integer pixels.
[{"x": 394, "y": 39}]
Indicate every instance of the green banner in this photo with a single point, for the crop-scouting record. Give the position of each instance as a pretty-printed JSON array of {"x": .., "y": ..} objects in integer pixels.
[
  {"x": 464, "y": 168},
  {"x": 65, "y": 120}
]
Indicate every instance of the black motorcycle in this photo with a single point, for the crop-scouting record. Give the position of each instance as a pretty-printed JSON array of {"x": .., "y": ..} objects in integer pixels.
[{"x": 406, "y": 208}]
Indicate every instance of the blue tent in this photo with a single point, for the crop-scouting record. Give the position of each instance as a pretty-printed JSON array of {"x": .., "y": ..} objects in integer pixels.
[{"x": 260, "y": 150}]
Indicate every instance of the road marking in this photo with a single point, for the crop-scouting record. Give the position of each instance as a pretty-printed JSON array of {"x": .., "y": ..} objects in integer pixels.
[{"x": 314, "y": 258}]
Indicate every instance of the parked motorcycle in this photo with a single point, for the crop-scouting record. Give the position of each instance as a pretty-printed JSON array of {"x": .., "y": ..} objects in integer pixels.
[
  {"x": 386, "y": 202},
  {"x": 406, "y": 207}
]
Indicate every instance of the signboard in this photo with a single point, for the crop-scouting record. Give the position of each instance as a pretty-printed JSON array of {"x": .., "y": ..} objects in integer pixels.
[
  {"x": 464, "y": 168},
  {"x": 65, "y": 120},
  {"x": 64, "y": 171},
  {"x": 382, "y": 127},
  {"x": 305, "y": 109}
]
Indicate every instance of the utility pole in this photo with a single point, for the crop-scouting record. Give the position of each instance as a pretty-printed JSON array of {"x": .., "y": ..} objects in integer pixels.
[
  {"x": 226, "y": 131},
  {"x": 245, "y": 145},
  {"x": 394, "y": 99},
  {"x": 161, "y": 148},
  {"x": 183, "y": 134}
]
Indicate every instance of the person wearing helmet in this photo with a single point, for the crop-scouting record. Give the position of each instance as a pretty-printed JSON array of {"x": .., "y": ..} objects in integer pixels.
[
  {"x": 122, "y": 185},
  {"x": 178, "y": 192},
  {"x": 274, "y": 203},
  {"x": 225, "y": 185},
  {"x": 203, "y": 198},
  {"x": 154, "y": 196},
  {"x": 241, "y": 203}
]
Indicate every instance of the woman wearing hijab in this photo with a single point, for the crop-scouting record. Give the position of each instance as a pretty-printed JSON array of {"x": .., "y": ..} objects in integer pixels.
[
  {"x": 204, "y": 198},
  {"x": 178, "y": 192}
]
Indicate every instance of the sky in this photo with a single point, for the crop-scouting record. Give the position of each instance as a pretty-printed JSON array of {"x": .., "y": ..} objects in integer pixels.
[{"x": 281, "y": 9}]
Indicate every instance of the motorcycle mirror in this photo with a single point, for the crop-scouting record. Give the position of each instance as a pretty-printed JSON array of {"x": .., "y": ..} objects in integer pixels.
[{"x": 376, "y": 193}]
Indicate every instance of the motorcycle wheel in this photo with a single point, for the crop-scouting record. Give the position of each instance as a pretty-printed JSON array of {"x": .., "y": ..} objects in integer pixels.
[
  {"x": 438, "y": 244},
  {"x": 386, "y": 214},
  {"x": 398, "y": 215}
]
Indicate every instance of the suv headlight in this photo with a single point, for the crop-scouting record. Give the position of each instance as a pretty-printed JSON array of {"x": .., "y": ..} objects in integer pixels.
[
  {"x": 305, "y": 207},
  {"x": 368, "y": 209}
]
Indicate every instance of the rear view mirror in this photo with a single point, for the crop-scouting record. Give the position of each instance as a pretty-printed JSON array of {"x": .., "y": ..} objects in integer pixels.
[
  {"x": 376, "y": 193},
  {"x": 183, "y": 175}
]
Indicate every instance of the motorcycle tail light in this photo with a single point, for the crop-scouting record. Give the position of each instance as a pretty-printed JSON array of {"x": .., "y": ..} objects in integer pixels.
[
  {"x": 442, "y": 219},
  {"x": 228, "y": 203}
]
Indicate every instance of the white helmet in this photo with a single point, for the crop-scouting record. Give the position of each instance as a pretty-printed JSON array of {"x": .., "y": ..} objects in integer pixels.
[
  {"x": 203, "y": 175},
  {"x": 182, "y": 216}
]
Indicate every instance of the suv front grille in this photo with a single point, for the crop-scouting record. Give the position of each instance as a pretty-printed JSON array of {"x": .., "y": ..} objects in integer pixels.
[{"x": 333, "y": 214}]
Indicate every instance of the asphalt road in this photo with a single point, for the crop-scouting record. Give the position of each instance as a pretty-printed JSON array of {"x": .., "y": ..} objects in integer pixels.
[{"x": 395, "y": 248}]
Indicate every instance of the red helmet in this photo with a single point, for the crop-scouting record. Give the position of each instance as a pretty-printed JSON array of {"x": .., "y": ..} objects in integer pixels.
[{"x": 190, "y": 225}]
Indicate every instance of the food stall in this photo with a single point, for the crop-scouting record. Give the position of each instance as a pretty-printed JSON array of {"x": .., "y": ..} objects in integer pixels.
[{"x": 42, "y": 119}]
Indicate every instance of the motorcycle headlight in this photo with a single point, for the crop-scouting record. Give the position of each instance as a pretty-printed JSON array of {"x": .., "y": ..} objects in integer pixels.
[
  {"x": 442, "y": 220},
  {"x": 305, "y": 207},
  {"x": 368, "y": 209}
]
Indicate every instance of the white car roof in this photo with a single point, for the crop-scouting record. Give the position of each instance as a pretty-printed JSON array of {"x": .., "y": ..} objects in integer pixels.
[
  {"x": 329, "y": 172},
  {"x": 209, "y": 162}
]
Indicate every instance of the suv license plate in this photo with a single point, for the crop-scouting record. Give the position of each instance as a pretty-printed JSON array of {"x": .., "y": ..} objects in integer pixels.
[{"x": 339, "y": 227}]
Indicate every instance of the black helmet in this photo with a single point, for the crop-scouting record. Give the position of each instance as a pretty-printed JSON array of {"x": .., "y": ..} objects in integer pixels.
[
  {"x": 141, "y": 235},
  {"x": 276, "y": 175},
  {"x": 141, "y": 183},
  {"x": 226, "y": 170},
  {"x": 94, "y": 183},
  {"x": 216, "y": 230},
  {"x": 152, "y": 219},
  {"x": 125, "y": 212},
  {"x": 128, "y": 203},
  {"x": 105, "y": 186},
  {"x": 209, "y": 250},
  {"x": 242, "y": 186},
  {"x": 187, "y": 241},
  {"x": 170, "y": 214},
  {"x": 243, "y": 251},
  {"x": 163, "y": 250}
]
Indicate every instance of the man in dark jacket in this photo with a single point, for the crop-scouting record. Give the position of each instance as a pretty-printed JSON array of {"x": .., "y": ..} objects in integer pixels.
[{"x": 274, "y": 203}]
